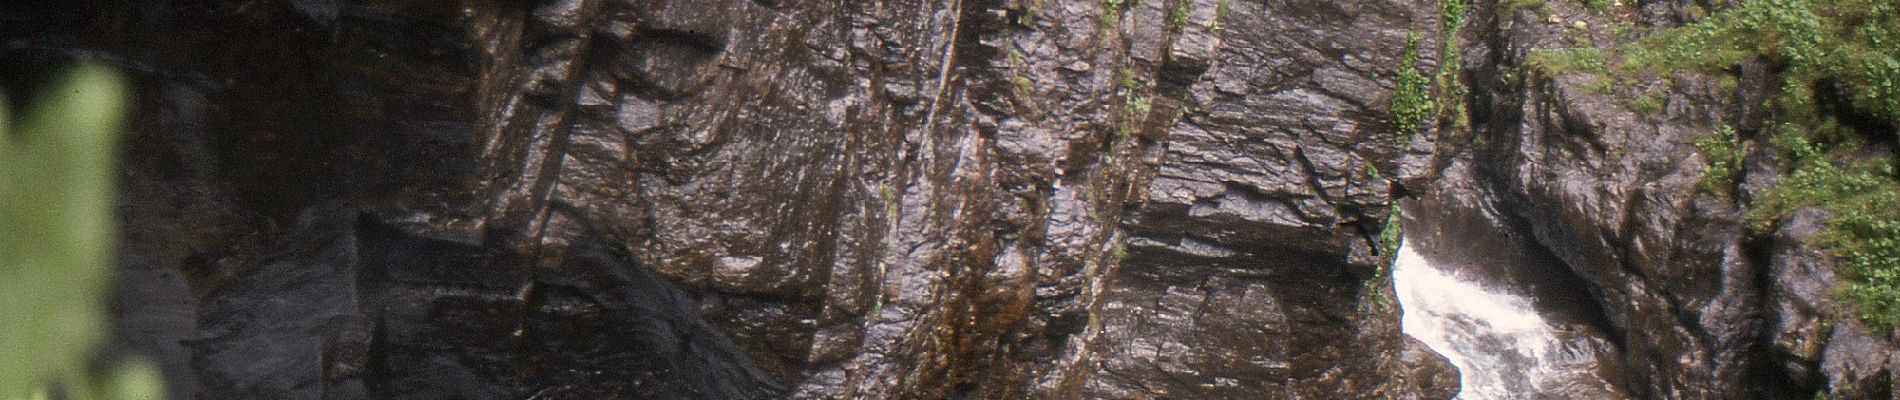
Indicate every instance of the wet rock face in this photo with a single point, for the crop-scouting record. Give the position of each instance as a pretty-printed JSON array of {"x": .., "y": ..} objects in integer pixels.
[
  {"x": 1701, "y": 308},
  {"x": 1435, "y": 377},
  {"x": 745, "y": 199},
  {"x": 1606, "y": 191}
]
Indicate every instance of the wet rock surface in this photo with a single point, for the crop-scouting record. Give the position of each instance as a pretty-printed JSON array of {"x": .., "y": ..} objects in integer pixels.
[
  {"x": 1605, "y": 191},
  {"x": 1698, "y": 306},
  {"x": 910, "y": 199},
  {"x": 754, "y": 199}
]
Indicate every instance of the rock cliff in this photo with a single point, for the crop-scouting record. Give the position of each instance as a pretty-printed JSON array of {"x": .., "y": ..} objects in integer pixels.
[
  {"x": 907, "y": 199},
  {"x": 1608, "y": 173}
]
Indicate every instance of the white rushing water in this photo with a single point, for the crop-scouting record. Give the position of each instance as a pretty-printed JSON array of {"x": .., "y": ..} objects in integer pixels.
[{"x": 1503, "y": 349}]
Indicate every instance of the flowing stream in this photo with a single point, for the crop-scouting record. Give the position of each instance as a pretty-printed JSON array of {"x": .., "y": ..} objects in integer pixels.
[{"x": 1502, "y": 347}]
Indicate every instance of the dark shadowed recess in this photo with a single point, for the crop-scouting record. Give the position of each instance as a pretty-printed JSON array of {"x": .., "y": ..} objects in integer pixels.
[{"x": 363, "y": 309}]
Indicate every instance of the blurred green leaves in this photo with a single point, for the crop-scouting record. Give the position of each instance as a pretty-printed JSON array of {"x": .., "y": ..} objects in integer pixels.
[{"x": 56, "y": 240}]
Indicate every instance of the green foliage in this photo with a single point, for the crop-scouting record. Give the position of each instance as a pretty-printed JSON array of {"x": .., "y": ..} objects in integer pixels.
[
  {"x": 1220, "y": 14},
  {"x": 1452, "y": 14},
  {"x": 1512, "y": 6},
  {"x": 1603, "y": 85},
  {"x": 1111, "y": 13},
  {"x": 1553, "y": 62},
  {"x": 1179, "y": 18},
  {"x": 1845, "y": 44},
  {"x": 1031, "y": 12},
  {"x": 1647, "y": 104},
  {"x": 1851, "y": 42},
  {"x": 1391, "y": 234},
  {"x": 1139, "y": 106},
  {"x": 1450, "y": 86},
  {"x": 1411, "y": 105},
  {"x": 1863, "y": 232},
  {"x": 1135, "y": 105},
  {"x": 1622, "y": 28},
  {"x": 56, "y": 238},
  {"x": 1708, "y": 46},
  {"x": 1723, "y": 150}
]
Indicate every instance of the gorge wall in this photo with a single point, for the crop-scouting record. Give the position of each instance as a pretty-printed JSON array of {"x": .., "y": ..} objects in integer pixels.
[{"x": 903, "y": 199}]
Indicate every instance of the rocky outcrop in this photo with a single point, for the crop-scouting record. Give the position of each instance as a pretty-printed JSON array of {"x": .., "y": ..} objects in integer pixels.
[
  {"x": 732, "y": 199},
  {"x": 1566, "y": 165},
  {"x": 964, "y": 198}
]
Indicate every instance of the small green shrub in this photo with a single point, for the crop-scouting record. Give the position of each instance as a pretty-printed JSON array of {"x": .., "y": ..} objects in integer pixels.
[
  {"x": 1179, "y": 19},
  {"x": 1135, "y": 105},
  {"x": 1411, "y": 105},
  {"x": 1723, "y": 150},
  {"x": 1452, "y": 14},
  {"x": 1111, "y": 13}
]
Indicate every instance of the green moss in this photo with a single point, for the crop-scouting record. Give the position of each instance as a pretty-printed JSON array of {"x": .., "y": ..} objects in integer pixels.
[
  {"x": 1411, "y": 105},
  {"x": 1554, "y": 62},
  {"x": 1448, "y": 82},
  {"x": 1136, "y": 105},
  {"x": 1178, "y": 20},
  {"x": 1700, "y": 47},
  {"x": 1220, "y": 14},
  {"x": 1846, "y": 44},
  {"x": 1647, "y": 104},
  {"x": 1513, "y": 6},
  {"x": 1031, "y": 12},
  {"x": 1622, "y": 28},
  {"x": 1723, "y": 150},
  {"x": 1603, "y": 85},
  {"x": 1847, "y": 41},
  {"x": 1863, "y": 232},
  {"x": 1728, "y": 84},
  {"x": 1391, "y": 234},
  {"x": 1452, "y": 16},
  {"x": 1835, "y": 44},
  {"x": 1139, "y": 105}
]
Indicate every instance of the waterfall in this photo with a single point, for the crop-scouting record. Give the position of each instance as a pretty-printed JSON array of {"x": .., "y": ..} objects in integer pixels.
[{"x": 1503, "y": 348}]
